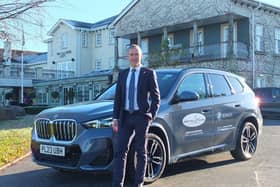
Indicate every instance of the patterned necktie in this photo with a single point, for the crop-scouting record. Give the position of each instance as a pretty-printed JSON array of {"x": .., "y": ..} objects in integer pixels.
[{"x": 131, "y": 91}]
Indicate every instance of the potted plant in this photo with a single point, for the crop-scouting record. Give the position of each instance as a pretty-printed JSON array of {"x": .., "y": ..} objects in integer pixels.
[
  {"x": 8, "y": 95},
  {"x": 32, "y": 95},
  {"x": 55, "y": 94}
]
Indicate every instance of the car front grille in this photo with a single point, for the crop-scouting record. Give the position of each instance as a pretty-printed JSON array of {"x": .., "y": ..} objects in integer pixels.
[{"x": 62, "y": 130}]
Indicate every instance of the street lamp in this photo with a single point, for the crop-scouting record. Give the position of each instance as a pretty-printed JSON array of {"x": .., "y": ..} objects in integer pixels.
[{"x": 21, "y": 85}]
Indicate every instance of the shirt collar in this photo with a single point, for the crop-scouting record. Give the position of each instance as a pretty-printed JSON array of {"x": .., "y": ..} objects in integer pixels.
[{"x": 137, "y": 68}]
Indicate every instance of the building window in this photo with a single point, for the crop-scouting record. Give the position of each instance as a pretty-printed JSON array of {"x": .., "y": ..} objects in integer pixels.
[
  {"x": 64, "y": 41},
  {"x": 41, "y": 96},
  {"x": 98, "y": 39},
  {"x": 111, "y": 37},
  {"x": 82, "y": 93},
  {"x": 277, "y": 41},
  {"x": 65, "y": 69},
  {"x": 98, "y": 64},
  {"x": 97, "y": 89},
  {"x": 200, "y": 41},
  {"x": 259, "y": 38},
  {"x": 170, "y": 39},
  {"x": 84, "y": 39}
]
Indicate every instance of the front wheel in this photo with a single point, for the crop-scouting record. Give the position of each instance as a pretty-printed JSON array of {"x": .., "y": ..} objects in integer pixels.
[
  {"x": 156, "y": 159},
  {"x": 247, "y": 141}
]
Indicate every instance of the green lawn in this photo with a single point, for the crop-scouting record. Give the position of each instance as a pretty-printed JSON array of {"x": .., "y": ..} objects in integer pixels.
[{"x": 15, "y": 137}]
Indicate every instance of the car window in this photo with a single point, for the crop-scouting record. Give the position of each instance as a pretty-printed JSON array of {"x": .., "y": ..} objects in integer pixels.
[
  {"x": 194, "y": 83},
  {"x": 235, "y": 83},
  {"x": 276, "y": 93},
  {"x": 263, "y": 93},
  {"x": 220, "y": 86},
  {"x": 165, "y": 82},
  {"x": 108, "y": 94}
]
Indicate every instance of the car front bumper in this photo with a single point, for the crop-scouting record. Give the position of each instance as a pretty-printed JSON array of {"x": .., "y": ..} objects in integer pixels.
[{"x": 92, "y": 150}]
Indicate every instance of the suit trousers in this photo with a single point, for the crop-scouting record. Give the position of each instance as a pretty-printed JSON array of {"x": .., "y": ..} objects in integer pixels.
[{"x": 135, "y": 125}]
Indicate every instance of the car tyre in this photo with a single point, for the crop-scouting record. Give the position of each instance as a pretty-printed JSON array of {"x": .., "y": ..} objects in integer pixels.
[
  {"x": 247, "y": 141},
  {"x": 156, "y": 159}
]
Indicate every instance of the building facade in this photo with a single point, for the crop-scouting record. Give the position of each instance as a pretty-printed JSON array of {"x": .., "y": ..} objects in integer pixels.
[
  {"x": 241, "y": 36},
  {"x": 87, "y": 50}
]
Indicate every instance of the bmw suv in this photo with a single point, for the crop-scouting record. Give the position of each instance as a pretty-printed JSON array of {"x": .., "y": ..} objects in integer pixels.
[{"x": 202, "y": 111}]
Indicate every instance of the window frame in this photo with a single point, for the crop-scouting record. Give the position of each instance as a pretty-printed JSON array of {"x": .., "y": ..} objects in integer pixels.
[
  {"x": 207, "y": 93},
  {"x": 200, "y": 44},
  {"x": 231, "y": 85},
  {"x": 98, "y": 60},
  {"x": 84, "y": 39},
  {"x": 261, "y": 49},
  {"x": 98, "y": 39},
  {"x": 64, "y": 40},
  {"x": 111, "y": 37},
  {"x": 211, "y": 85}
]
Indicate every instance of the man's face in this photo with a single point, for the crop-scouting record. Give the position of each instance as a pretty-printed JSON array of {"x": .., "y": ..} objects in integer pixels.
[{"x": 134, "y": 57}]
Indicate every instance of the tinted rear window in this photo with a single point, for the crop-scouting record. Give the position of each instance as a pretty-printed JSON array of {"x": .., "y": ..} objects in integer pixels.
[
  {"x": 220, "y": 86},
  {"x": 276, "y": 92},
  {"x": 235, "y": 83},
  {"x": 263, "y": 93}
]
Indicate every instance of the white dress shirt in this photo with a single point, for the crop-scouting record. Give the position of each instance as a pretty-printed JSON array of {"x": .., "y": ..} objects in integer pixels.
[{"x": 137, "y": 73}]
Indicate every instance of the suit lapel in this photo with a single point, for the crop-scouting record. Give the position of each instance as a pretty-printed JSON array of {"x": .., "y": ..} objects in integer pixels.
[
  {"x": 125, "y": 80},
  {"x": 140, "y": 78}
]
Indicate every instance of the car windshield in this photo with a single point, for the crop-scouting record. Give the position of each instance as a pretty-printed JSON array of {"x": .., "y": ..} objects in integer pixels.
[{"x": 165, "y": 82}]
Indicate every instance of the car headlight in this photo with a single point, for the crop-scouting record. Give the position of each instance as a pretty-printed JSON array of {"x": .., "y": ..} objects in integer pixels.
[{"x": 99, "y": 123}]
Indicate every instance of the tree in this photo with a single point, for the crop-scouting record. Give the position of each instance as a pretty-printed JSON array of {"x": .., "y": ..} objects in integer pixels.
[
  {"x": 14, "y": 8},
  {"x": 15, "y": 14}
]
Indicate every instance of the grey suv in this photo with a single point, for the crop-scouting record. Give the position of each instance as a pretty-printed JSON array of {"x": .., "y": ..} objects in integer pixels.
[{"x": 202, "y": 111}]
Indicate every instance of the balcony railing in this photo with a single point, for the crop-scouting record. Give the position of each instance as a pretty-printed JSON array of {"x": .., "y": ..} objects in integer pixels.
[
  {"x": 14, "y": 72},
  {"x": 216, "y": 51}
]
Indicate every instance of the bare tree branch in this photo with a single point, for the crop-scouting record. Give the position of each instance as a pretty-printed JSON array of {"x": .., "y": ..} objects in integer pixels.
[{"x": 14, "y": 9}]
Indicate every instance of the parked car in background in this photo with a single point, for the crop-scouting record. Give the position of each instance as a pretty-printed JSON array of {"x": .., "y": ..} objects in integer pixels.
[
  {"x": 269, "y": 98},
  {"x": 202, "y": 111}
]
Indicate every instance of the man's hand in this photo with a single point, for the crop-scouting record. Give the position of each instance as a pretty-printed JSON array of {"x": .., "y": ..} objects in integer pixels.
[{"x": 115, "y": 125}]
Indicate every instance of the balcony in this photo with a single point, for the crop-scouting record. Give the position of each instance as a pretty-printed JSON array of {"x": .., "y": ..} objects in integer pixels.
[{"x": 200, "y": 53}]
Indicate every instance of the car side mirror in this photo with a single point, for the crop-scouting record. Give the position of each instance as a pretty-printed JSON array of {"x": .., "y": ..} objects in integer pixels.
[{"x": 186, "y": 96}]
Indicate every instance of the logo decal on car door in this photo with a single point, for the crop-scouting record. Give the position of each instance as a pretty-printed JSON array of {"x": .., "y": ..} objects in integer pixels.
[{"x": 194, "y": 120}]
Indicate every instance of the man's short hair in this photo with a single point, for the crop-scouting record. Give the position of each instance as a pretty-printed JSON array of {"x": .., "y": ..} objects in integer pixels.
[{"x": 135, "y": 46}]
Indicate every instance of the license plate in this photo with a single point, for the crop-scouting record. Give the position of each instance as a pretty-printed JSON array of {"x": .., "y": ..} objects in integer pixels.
[{"x": 52, "y": 150}]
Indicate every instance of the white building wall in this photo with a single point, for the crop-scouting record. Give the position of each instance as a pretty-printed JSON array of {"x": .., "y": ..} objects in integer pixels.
[{"x": 57, "y": 54}]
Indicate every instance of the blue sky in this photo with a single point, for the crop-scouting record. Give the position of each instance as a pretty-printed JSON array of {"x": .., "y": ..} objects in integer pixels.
[{"x": 82, "y": 10}]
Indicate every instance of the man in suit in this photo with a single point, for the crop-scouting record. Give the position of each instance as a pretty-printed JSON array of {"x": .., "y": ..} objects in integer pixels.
[{"x": 133, "y": 112}]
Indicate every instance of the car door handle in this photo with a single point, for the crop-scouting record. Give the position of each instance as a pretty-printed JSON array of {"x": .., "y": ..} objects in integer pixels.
[
  {"x": 206, "y": 110},
  {"x": 237, "y": 105}
]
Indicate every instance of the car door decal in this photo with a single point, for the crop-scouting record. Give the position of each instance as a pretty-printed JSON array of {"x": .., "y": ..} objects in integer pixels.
[{"x": 194, "y": 120}]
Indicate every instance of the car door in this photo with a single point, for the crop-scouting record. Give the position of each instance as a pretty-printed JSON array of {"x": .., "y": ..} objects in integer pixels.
[
  {"x": 227, "y": 107},
  {"x": 191, "y": 120}
]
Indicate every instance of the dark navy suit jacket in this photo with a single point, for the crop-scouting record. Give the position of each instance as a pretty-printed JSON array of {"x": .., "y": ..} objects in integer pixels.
[{"x": 147, "y": 87}]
